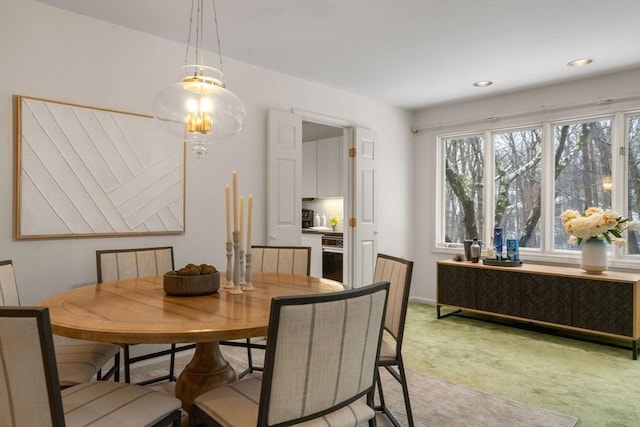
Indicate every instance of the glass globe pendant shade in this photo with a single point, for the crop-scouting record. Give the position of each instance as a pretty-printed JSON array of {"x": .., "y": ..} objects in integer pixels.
[{"x": 199, "y": 108}]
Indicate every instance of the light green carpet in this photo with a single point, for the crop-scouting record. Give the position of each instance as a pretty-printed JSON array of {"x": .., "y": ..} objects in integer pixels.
[{"x": 597, "y": 383}]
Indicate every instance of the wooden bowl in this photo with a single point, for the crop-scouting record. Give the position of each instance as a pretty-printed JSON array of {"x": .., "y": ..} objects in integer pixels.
[{"x": 185, "y": 286}]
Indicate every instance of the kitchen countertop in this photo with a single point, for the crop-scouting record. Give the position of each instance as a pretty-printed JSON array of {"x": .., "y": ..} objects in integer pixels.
[{"x": 322, "y": 232}]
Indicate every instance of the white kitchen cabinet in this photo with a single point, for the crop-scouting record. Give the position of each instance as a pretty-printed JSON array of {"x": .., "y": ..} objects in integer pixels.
[
  {"x": 315, "y": 242},
  {"x": 329, "y": 155},
  {"x": 322, "y": 168},
  {"x": 309, "y": 170}
]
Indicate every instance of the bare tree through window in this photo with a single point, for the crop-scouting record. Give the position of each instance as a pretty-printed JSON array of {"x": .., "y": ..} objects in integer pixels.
[
  {"x": 579, "y": 176},
  {"x": 633, "y": 144},
  {"x": 518, "y": 177},
  {"x": 464, "y": 188},
  {"x": 582, "y": 162}
]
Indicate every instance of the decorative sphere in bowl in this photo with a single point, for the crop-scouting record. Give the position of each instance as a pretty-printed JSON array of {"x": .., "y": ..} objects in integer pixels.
[{"x": 203, "y": 284}]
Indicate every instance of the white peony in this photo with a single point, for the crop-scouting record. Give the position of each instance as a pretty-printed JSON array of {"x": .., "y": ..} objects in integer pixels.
[
  {"x": 619, "y": 242},
  {"x": 596, "y": 222},
  {"x": 633, "y": 225}
]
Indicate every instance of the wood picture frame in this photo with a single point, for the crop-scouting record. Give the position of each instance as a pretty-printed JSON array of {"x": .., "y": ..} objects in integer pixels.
[{"x": 82, "y": 171}]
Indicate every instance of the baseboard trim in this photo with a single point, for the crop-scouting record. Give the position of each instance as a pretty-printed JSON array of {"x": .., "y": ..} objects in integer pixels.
[{"x": 426, "y": 301}]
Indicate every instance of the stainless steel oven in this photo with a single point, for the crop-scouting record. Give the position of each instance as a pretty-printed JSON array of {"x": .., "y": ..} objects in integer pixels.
[{"x": 332, "y": 252}]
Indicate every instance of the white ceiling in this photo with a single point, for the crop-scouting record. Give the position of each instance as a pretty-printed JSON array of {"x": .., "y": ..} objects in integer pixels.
[{"x": 409, "y": 53}]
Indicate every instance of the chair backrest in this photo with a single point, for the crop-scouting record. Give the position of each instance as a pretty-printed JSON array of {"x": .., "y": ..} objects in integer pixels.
[
  {"x": 118, "y": 264},
  {"x": 8, "y": 285},
  {"x": 281, "y": 259},
  {"x": 322, "y": 353},
  {"x": 29, "y": 387},
  {"x": 397, "y": 272}
]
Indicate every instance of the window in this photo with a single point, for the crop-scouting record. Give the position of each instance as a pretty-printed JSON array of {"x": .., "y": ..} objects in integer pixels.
[
  {"x": 524, "y": 177},
  {"x": 633, "y": 181},
  {"x": 582, "y": 161},
  {"x": 464, "y": 182},
  {"x": 518, "y": 175}
]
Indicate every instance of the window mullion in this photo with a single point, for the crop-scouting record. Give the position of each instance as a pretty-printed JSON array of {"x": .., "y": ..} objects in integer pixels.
[
  {"x": 440, "y": 193},
  {"x": 547, "y": 188},
  {"x": 489, "y": 188},
  {"x": 619, "y": 171},
  {"x": 618, "y": 165}
]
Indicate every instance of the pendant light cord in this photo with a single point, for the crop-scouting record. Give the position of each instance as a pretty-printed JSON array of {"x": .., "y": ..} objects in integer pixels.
[
  {"x": 200, "y": 34},
  {"x": 186, "y": 54},
  {"x": 215, "y": 18}
]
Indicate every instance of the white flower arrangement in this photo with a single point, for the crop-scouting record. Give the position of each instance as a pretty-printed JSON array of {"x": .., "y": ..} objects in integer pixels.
[{"x": 596, "y": 222}]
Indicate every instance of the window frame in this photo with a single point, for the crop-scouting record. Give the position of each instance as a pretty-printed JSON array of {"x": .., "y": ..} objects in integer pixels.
[
  {"x": 550, "y": 197},
  {"x": 547, "y": 122},
  {"x": 490, "y": 134}
]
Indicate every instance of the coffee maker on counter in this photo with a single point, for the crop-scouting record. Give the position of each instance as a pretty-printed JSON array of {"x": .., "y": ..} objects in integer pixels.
[{"x": 307, "y": 218}]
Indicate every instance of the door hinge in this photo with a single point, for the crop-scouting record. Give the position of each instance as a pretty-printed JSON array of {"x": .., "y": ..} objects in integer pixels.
[
  {"x": 622, "y": 151},
  {"x": 352, "y": 222},
  {"x": 352, "y": 152}
]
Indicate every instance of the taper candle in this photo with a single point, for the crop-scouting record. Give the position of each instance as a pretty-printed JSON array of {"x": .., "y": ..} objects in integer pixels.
[
  {"x": 249, "y": 221},
  {"x": 227, "y": 201},
  {"x": 234, "y": 180},
  {"x": 241, "y": 222}
]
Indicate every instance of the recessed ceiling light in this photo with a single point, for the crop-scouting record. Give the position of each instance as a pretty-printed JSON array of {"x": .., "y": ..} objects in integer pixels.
[
  {"x": 580, "y": 62},
  {"x": 483, "y": 83}
]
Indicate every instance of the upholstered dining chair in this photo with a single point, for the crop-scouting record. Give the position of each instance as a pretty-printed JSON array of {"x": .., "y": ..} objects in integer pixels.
[
  {"x": 272, "y": 259},
  {"x": 77, "y": 361},
  {"x": 31, "y": 393},
  {"x": 119, "y": 264},
  {"x": 281, "y": 259},
  {"x": 397, "y": 272},
  {"x": 320, "y": 364}
]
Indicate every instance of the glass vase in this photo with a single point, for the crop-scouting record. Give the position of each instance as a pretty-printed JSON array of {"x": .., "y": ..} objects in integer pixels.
[{"x": 594, "y": 255}]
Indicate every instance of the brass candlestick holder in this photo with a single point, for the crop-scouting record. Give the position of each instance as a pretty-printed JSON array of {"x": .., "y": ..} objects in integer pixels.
[{"x": 248, "y": 286}]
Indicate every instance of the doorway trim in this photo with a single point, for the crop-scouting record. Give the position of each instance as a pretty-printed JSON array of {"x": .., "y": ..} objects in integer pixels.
[
  {"x": 323, "y": 119},
  {"x": 348, "y": 133}
]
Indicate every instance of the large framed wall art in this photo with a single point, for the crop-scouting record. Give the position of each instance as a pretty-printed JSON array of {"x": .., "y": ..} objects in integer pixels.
[{"x": 86, "y": 172}]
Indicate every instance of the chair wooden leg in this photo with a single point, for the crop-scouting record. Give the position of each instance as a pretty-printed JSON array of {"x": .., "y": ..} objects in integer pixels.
[
  {"x": 405, "y": 392},
  {"x": 116, "y": 362},
  {"x": 174, "y": 419},
  {"x": 250, "y": 367},
  {"x": 382, "y": 407},
  {"x": 249, "y": 356},
  {"x": 371, "y": 403},
  {"x": 114, "y": 371},
  {"x": 127, "y": 365},
  {"x": 172, "y": 363},
  {"x": 198, "y": 418},
  {"x": 401, "y": 377}
]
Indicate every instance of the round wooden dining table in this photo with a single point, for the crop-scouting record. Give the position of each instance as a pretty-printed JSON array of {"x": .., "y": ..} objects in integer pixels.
[{"x": 137, "y": 311}]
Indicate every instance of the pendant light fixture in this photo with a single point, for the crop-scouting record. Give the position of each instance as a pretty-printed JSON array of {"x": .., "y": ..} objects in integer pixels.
[{"x": 200, "y": 109}]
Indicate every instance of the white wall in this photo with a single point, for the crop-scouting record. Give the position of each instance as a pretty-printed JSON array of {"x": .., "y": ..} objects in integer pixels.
[
  {"x": 578, "y": 98},
  {"x": 50, "y": 53}
]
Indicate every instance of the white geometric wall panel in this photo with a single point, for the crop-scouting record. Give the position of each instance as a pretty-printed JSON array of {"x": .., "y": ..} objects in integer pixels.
[{"x": 86, "y": 171}]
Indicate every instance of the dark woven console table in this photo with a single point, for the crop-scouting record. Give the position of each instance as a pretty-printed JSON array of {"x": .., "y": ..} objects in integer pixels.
[{"x": 606, "y": 305}]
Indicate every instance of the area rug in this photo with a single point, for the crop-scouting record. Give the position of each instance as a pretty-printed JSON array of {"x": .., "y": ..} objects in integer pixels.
[{"x": 435, "y": 402}]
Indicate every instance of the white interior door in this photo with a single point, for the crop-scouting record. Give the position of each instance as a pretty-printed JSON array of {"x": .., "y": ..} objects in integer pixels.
[
  {"x": 363, "y": 249},
  {"x": 284, "y": 179},
  {"x": 284, "y": 201}
]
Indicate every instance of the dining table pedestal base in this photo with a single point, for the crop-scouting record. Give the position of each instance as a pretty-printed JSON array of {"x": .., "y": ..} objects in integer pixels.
[{"x": 207, "y": 370}]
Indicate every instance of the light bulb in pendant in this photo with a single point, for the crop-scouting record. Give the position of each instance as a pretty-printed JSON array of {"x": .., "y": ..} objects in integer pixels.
[{"x": 199, "y": 108}]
